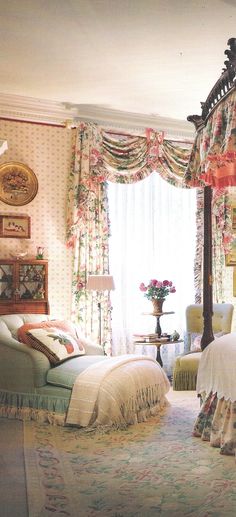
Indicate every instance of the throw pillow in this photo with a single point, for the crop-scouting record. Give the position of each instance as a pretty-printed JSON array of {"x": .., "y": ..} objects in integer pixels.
[
  {"x": 196, "y": 341},
  {"x": 54, "y": 343},
  {"x": 63, "y": 325}
]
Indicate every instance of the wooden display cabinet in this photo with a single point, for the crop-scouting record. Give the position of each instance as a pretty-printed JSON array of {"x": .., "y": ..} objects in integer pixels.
[{"x": 24, "y": 286}]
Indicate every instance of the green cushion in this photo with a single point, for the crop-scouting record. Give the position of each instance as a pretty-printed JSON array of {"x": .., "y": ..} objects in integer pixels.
[
  {"x": 188, "y": 362},
  {"x": 185, "y": 371},
  {"x": 65, "y": 374}
]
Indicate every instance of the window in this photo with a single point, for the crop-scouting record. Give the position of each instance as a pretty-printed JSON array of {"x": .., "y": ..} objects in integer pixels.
[{"x": 152, "y": 236}]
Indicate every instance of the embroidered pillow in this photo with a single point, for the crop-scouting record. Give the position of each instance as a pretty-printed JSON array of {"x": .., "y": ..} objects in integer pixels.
[
  {"x": 63, "y": 325},
  {"x": 56, "y": 344}
]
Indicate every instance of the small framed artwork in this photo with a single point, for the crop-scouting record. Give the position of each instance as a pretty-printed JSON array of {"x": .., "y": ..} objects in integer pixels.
[
  {"x": 15, "y": 226},
  {"x": 230, "y": 258},
  {"x": 233, "y": 216},
  {"x": 18, "y": 184}
]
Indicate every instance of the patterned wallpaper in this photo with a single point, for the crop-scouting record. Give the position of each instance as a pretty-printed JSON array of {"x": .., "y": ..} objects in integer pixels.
[{"x": 47, "y": 151}]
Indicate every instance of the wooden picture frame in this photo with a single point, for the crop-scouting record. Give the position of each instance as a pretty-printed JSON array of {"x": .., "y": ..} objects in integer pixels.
[
  {"x": 230, "y": 258},
  {"x": 18, "y": 184},
  {"x": 233, "y": 216},
  {"x": 15, "y": 226}
]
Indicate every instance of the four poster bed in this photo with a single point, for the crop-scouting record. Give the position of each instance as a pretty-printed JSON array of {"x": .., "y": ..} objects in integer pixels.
[{"x": 213, "y": 164}]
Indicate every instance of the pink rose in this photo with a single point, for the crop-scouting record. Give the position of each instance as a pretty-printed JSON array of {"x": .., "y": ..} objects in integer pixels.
[
  {"x": 142, "y": 287},
  {"x": 153, "y": 282},
  {"x": 166, "y": 283}
]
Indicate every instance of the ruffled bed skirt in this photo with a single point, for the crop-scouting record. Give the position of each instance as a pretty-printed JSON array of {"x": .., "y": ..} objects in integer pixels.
[
  {"x": 32, "y": 406},
  {"x": 52, "y": 410},
  {"x": 216, "y": 423}
]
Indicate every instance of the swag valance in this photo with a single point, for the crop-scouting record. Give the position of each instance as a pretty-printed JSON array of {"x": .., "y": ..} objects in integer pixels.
[{"x": 101, "y": 155}]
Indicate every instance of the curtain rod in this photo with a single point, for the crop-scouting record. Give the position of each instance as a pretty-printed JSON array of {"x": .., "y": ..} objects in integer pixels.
[
  {"x": 33, "y": 122},
  {"x": 142, "y": 136}
]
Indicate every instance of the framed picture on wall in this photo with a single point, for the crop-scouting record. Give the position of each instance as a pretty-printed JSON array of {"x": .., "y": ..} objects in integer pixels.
[
  {"x": 15, "y": 226},
  {"x": 18, "y": 184},
  {"x": 230, "y": 258},
  {"x": 233, "y": 216}
]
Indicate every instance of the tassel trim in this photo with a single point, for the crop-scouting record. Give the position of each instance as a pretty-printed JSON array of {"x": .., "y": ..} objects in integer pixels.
[{"x": 184, "y": 381}]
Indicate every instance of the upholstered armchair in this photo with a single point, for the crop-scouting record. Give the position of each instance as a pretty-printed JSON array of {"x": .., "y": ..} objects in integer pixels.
[{"x": 186, "y": 366}]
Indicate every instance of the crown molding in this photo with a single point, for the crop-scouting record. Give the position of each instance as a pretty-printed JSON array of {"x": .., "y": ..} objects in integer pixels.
[
  {"x": 30, "y": 109},
  {"x": 135, "y": 121}
]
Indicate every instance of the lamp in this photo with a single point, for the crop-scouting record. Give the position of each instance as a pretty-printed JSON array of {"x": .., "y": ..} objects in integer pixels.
[{"x": 100, "y": 283}]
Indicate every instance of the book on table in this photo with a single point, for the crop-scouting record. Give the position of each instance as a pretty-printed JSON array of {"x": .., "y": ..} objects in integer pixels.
[{"x": 149, "y": 338}]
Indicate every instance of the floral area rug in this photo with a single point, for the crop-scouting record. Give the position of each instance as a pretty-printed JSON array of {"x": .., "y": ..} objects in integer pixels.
[{"x": 149, "y": 469}]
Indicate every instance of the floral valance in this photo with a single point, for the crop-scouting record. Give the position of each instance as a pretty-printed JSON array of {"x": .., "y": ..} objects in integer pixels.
[
  {"x": 101, "y": 155},
  {"x": 213, "y": 157}
]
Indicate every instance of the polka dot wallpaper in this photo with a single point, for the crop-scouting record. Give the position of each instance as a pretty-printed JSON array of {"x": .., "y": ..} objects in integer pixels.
[{"x": 47, "y": 151}]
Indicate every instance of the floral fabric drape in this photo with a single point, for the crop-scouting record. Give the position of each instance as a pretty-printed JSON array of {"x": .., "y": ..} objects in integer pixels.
[
  {"x": 88, "y": 231},
  {"x": 100, "y": 156},
  {"x": 213, "y": 162},
  {"x": 221, "y": 240},
  {"x": 213, "y": 157}
]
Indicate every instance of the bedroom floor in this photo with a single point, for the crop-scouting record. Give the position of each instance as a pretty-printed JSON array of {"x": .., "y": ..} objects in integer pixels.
[{"x": 13, "y": 492}]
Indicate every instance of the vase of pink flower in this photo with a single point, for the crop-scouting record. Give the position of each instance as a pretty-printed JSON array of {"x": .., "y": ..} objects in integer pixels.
[{"x": 157, "y": 291}]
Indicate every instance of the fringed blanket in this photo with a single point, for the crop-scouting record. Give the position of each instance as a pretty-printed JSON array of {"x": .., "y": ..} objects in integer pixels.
[{"x": 120, "y": 390}]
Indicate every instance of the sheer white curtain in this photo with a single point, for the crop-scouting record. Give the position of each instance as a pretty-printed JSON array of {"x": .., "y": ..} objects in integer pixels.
[{"x": 152, "y": 236}]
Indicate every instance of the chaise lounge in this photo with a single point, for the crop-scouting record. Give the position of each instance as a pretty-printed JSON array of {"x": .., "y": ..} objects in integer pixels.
[{"x": 35, "y": 385}]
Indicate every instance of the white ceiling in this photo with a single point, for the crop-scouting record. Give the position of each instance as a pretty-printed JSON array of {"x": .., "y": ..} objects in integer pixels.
[{"x": 152, "y": 57}]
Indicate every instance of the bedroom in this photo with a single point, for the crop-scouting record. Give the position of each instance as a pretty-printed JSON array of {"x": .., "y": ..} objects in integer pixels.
[{"x": 42, "y": 202}]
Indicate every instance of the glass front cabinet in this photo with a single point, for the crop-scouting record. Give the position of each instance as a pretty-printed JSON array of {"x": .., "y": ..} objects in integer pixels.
[{"x": 24, "y": 286}]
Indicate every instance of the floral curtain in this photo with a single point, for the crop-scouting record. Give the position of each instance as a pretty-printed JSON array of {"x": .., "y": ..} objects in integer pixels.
[
  {"x": 213, "y": 162},
  {"x": 100, "y": 156},
  {"x": 221, "y": 241},
  {"x": 88, "y": 231},
  {"x": 213, "y": 157}
]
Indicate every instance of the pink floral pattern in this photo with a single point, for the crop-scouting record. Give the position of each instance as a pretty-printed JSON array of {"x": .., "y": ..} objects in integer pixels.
[
  {"x": 213, "y": 157},
  {"x": 216, "y": 423},
  {"x": 222, "y": 237}
]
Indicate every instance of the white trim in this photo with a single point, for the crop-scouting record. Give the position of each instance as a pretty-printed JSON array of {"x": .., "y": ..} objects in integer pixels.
[{"x": 53, "y": 112}]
